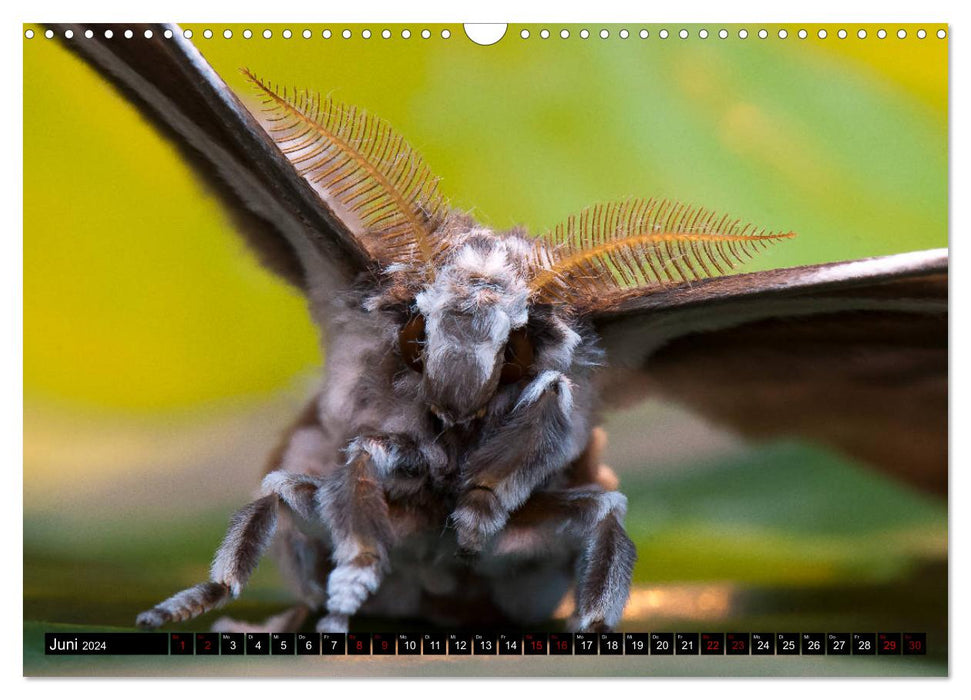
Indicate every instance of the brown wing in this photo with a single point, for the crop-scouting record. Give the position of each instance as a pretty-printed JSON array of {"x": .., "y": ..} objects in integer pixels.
[
  {"x": 295, "y": 234},
  {"x": 852, "y": 355}
]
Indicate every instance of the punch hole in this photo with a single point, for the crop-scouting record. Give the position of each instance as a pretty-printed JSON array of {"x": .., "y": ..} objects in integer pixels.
[
  {"x": 604, "y": 33},
  {"x": 861, "y": 33},
  {"x": 88, "y": 34},
  {"x": 148, "y": 33},
  {"x": 109, "y": 34},
  {"x": 722, "y": 33},
  {"x": 544, "y": 34},
  {"x": 207, "y": 33},
  {"x": 385, "y": 34},
  {"x": 366, "y": 34},
  {"x": 584, "y": 33},
  {"x": 841, "y": 33},
  {"x": 167, "y": 34},
  {"x": 69, "y": 34},
  {"x": 405, "y": 33},
  {"x": 941, "y": 33},
  {"x": 564, "y": 33},
  {"x": 346, "y": 33},
  {"x": 267, "y": 33},
  {"x": 644, "y": 34},
  {"x": 307, "y": 34},
  {"x": 663, "y": 33},
  {"x": 821, "y": 34},
  {"x": 743, "y": 33},
  {"x": 783, "y": 34},
  {"x": 803, "y": 33},
  {"x": 227, "y": 34},
  {"x": 49, "y": 34},
  {"x": 624, "y": 33},
  {"x": 446, "y": 33},
  {"x": 703, "y": 33},
  {"x": 287, "y": 34},
  {"x": 921, "y": 34},
  {"x": 901, "y": 33},
  {"x": 425, "y": 34},
  {"x": 524, "y": 34},
  {"x": 683, "y": 34},
  {"x": 29, "y": 34},
  {"x": 882, "y": 33},
  {"x": 485, "y": 34},
  {"x": 326, "y": 34},
  {"x": 763, "y": 34},
  {"x": 247, "y": 34}
]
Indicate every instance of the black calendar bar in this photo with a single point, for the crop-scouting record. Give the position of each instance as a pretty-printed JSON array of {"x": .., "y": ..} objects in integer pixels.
[
  {"x": 631, "y": 644},
  {"x": 107, "y": 643}
]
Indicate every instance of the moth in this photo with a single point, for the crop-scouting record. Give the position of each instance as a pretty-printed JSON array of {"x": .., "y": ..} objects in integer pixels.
[{"x": 450, "y": 467}]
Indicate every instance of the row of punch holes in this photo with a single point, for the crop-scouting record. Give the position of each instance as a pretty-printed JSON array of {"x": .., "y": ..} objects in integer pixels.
[{"x": 524, "y": 34}]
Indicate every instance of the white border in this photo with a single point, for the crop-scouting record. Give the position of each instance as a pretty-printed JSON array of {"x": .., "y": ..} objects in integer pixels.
[{"x": 11, "y": 311}]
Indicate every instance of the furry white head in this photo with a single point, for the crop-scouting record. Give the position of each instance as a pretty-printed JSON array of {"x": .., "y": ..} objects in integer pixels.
[{"x": 477, "y": 298}]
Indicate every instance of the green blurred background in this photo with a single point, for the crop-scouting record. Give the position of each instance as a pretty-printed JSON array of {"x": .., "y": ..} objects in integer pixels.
[{"x": 160, "y": 361}]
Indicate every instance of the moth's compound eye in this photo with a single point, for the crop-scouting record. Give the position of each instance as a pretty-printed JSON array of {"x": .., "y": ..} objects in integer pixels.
[
  {"x": 411, "y": 342},
  {"x": 518, "y": 357}
]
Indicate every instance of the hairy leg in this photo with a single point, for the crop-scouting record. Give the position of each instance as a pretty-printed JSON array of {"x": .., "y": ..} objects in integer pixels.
[
  {"x": 251, "y": 529},
  {"x": 248, "y": 536},
  {"x": 353, "y": 506},
  {"x": 591, "y": 520},
  {"x": 250, "y": 532},
  {"x": 502, "y": 473},
  {"x": 303, "y": 555}
]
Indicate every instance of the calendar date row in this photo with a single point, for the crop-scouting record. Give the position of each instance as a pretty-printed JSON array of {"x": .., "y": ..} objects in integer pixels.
[{"x": 491, "y": 644}]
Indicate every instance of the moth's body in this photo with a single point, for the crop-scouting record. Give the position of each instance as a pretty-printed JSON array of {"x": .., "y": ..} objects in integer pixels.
[
  {"x": 370, "y": 398},
  {"x": 448, "y": 469},
  {"x": 434, "y": 474},
  {"x": 451, "y": 491}
]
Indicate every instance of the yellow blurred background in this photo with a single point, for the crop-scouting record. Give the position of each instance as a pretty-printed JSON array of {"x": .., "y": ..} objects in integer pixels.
[{"x": 139, "y": 298}]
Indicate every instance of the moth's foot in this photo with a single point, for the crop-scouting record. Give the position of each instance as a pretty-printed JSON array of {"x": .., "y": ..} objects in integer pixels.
[
  {"x": 588, "y": 624},
  {"x": 333, "y": 623},
  {"x": 349, "y": 585},
  {"x": 152, "y": 619}
]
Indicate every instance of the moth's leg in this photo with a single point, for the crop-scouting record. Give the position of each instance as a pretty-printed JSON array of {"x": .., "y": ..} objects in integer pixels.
[
  {"x": 250, "y": 533},
  {"x": 501, "y": 474},
  {"x": 594, "y": 520},
  {"x": 303, "y": 556},
  {"x": 353, "y": 505}
]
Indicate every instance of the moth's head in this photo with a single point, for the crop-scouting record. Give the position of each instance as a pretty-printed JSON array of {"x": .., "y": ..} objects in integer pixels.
[{"x": 468, "y": 333}]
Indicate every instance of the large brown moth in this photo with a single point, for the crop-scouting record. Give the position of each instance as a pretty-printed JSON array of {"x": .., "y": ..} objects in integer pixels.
[{"x": 450, "y": 469}]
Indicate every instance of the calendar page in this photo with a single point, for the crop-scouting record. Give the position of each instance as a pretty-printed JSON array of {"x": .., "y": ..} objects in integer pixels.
[{"x": 485, "y": 350}]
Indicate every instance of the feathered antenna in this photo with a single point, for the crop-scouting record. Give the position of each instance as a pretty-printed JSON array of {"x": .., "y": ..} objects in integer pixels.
[
  {"x": 610, "y": 249},
  {"x": 364, "y": 170}
]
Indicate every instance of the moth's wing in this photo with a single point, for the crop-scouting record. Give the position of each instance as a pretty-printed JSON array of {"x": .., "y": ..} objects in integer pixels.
[
  {"x": 291, "y": 229},
  {"x": 853, "y": 355}
]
